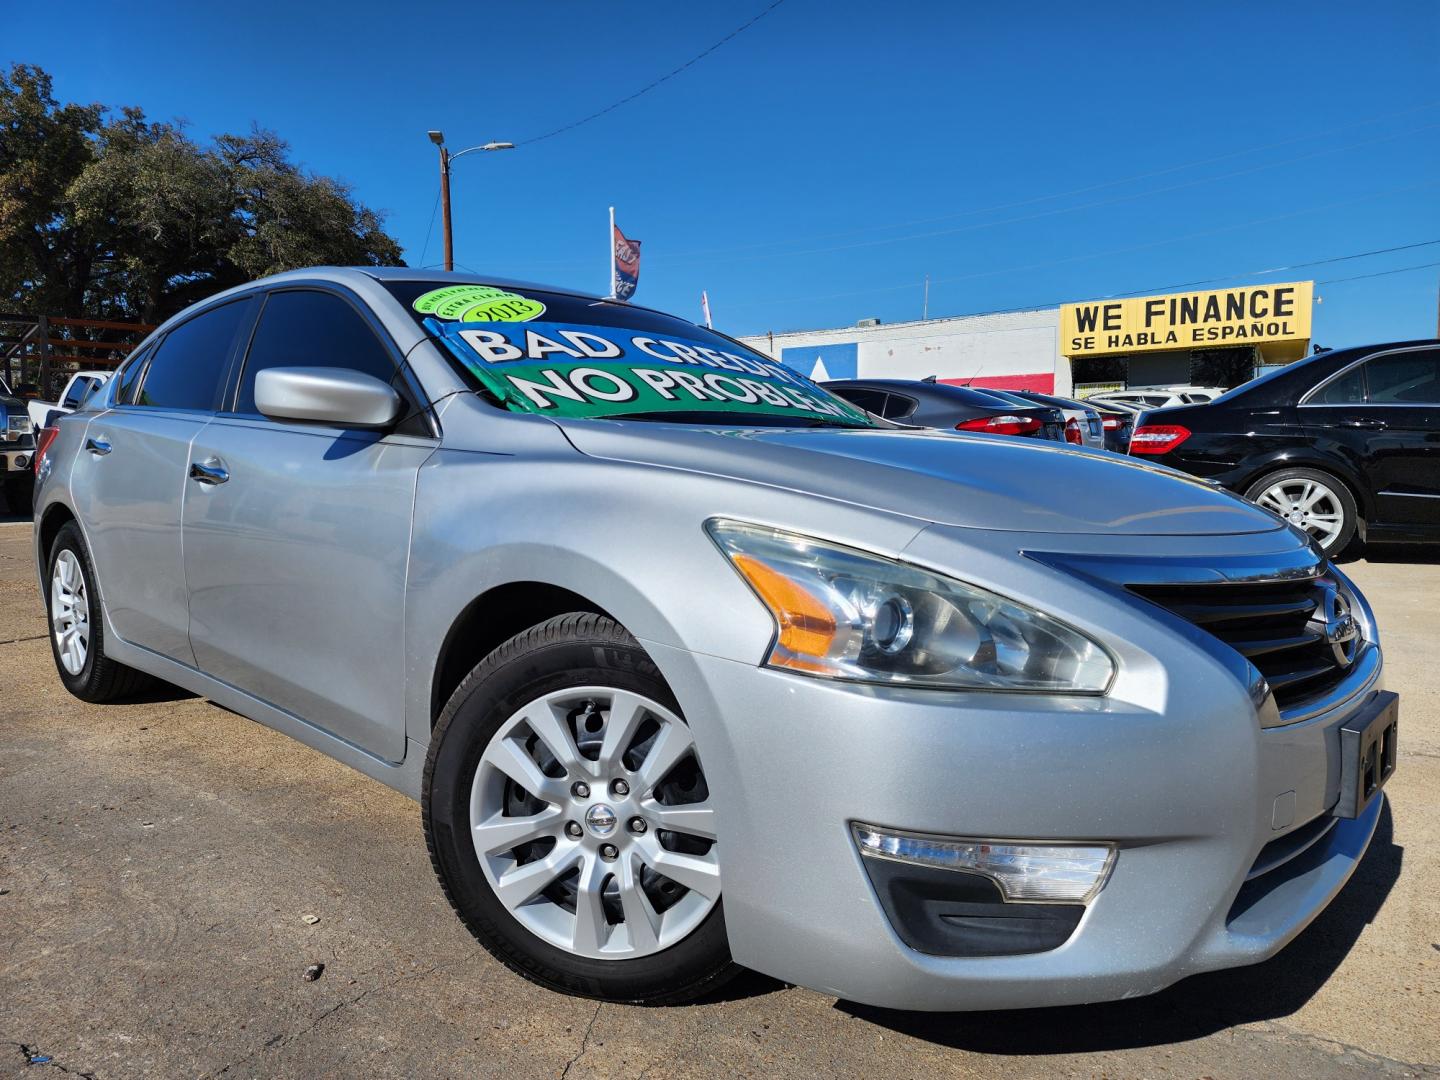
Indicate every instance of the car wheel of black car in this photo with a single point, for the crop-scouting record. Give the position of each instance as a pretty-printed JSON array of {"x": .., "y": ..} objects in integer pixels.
[
  {"x": 77, "y": 631},
  {"x": 568, "y": 818},
  {"x": 19, "y": 494},
  {"x": 1315, "y": 501}
]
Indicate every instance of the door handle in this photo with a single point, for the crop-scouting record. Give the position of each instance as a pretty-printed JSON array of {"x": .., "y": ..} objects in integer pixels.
[
  {"x": 211, "y": 471},
  {"x": 1368, "y": 425},
  {"x": 98, "y": 445}
]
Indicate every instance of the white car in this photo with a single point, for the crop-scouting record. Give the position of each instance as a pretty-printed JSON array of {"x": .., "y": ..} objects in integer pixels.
[
  {"x": 1158, "y": 397},
  {"x": 81, "y": 385}
]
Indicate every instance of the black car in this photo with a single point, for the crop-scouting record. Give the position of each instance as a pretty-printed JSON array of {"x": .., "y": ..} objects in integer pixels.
[
  {"x": 1342, "y": 443},
  {"x": 923, "y": 403}
]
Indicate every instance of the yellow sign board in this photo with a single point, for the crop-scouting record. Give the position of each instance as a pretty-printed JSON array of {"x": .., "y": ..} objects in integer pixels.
[{"x": 1274, "y": 316}]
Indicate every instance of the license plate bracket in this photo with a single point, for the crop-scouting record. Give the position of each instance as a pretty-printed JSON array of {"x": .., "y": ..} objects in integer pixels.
[{"x": 1369, "y": 743}]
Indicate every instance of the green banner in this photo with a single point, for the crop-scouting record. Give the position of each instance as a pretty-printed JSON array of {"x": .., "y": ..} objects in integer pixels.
[{"x": 565, "y": 369}]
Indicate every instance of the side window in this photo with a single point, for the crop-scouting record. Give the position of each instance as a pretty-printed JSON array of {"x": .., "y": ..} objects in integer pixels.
[
  {"x": 1408, "y": 378},
  {"x": 899, "y": 406},
  {"x": 869, "y": 400},
  {"x": 303, "y": 328},
  {"x": 76, "y": 394},
  {"x": 186, "y": 369},
  {"x": 1348, "y": 389},
  {"x": 130, "y": 378}
]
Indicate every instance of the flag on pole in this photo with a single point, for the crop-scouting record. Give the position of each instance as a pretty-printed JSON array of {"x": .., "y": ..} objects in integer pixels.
[
  {"x": 624, "y": 265},
  {"x": 705, "y": 307}
]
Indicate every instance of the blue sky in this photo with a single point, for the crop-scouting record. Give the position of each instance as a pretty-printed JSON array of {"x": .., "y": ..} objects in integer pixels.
[{"x": 814, "y": 169}]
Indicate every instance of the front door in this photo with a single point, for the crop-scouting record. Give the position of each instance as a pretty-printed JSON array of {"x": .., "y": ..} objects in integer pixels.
[
  {"x": 297, "y": 538},
  {"x": 1383, "y": 416}
]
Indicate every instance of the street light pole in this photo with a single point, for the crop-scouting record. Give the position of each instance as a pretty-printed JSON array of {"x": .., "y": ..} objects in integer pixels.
[{"x": 438, "y": 138}]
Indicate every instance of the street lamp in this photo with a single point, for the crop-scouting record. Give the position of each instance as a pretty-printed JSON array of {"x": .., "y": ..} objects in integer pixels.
[{"x": 438, "y": 138}]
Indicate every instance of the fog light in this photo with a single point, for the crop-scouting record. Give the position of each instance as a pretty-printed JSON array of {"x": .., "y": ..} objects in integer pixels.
[
  {"x": 21, "y": 461},
  {"x": 1043, "y": 873}
]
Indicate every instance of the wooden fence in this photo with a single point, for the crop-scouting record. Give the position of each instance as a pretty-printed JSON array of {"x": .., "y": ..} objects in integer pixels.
[{"x": 45, "y": 350}]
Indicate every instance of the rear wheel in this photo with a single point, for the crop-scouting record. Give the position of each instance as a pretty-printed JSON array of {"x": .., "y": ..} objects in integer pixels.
[
  {"x": 1312, "y": 500},
  {"x": 569, "y": 820},
  {"x": 77, "y": 635}
]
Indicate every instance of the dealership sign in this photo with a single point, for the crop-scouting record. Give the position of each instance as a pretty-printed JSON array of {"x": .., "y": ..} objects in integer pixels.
[{"x": 1273, "y": 315}]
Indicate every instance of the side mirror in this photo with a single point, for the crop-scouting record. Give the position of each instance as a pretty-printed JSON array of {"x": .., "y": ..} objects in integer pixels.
[{"x": 335, "y": 396}]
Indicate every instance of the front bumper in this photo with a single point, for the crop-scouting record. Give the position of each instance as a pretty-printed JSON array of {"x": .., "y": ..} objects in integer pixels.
[{"x": 1192, "y": 791}]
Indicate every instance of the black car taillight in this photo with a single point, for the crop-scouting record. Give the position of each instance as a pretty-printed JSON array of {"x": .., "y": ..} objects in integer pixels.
[
  {"x": 1001, "y": 425},
  {"x": 1157, "y": 438},
  {"x": 42, "y": 443}
]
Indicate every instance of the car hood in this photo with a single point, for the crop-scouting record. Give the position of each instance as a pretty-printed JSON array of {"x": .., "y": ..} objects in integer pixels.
[{"x": 979, "y": 481}]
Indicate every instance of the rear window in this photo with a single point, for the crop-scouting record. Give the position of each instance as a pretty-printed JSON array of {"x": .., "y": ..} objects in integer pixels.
[{"x": 561, "y": 355}]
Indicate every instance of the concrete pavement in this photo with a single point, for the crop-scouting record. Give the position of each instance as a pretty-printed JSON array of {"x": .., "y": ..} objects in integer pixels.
[{"x": 158, "y": 861}]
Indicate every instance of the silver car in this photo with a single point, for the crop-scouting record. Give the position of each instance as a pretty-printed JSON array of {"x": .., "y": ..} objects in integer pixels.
[{"x": 692, "y": 669}]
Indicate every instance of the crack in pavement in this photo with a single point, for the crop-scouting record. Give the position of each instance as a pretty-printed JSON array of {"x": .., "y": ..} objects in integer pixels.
[
  {"x": 1346, "y": 1051},
  {"x": 17, "y": 640},
  {"x": 31, "y": 1055},
  {"x": 284, "y": 1038},
  {"x": 584, "y": 1041}
]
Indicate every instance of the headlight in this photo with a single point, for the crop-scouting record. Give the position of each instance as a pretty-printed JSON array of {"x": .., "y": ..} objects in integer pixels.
[{"x": 847, "y": 614}]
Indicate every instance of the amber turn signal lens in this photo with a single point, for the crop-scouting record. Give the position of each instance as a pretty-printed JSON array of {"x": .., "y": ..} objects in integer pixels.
[{"x": 807, "y": 627}]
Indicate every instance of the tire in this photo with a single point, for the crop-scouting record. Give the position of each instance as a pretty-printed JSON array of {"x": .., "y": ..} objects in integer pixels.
[
  {"x": 594, "y": 683},
  {"x": 1295, "y": 494},
  {"x": 95, "y": 677},
  {"x": 20, "y": 495}
]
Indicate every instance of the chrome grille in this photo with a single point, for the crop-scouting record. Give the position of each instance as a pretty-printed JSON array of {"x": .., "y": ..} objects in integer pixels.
[{"x": 1279, "y": 626}]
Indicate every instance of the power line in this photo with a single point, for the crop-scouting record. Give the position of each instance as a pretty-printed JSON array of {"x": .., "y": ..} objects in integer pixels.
[
  {"x": 1381, "y": 273},
  {"x": 651, "y": 86},
  {"x": 870, "y": 290},
  {"x": 698, "y": 252},
  {"x": 1071, "y": 209},
  {"x": 1163, "y": 288},
  {"x": 1100, "y": 185},
  {"x": 431, "y": 228}
]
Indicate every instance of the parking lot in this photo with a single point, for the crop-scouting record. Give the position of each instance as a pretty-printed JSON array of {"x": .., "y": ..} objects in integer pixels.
[{"x": 168, "y": 871}]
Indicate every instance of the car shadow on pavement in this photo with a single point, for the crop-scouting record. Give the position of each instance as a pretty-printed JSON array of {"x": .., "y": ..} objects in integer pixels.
[
  {"x": 1390, "y": 553},
  {"x": 1198, "y": 1006}
]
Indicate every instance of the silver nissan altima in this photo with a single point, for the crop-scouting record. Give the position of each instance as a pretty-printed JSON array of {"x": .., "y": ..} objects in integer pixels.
[{"x": 693, "y": 668}]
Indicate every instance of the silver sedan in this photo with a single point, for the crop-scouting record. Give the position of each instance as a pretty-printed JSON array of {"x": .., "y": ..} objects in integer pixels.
[{"x": 691, "y": 667}]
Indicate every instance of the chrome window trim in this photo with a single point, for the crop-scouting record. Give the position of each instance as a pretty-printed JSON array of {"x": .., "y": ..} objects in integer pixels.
[{"x": 1304, "y": 401}]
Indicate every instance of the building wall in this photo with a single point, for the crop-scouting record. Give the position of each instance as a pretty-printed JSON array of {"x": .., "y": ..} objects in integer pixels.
[{"x": 1017, "y": 350}]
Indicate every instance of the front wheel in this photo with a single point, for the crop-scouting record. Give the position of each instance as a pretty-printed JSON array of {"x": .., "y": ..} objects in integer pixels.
[
  {"x": 569, "y": 820},
  {"x": 1314, "y": 501}
]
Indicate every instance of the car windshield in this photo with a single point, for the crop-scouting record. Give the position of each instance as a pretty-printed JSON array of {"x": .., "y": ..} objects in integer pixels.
[{"x": 561, "y": 355}]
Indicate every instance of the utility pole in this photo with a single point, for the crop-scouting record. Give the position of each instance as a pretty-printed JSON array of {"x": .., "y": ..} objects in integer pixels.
[
  {"x": 445, "y": 207},
  {"x": 438, "y": 138},
  {"x": 925, "y": 306}
]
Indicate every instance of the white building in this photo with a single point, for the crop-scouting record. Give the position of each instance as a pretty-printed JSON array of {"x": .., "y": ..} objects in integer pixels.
[
  {"x": 1221, "y": 337},
  {"x": 1015, "y": 350}
]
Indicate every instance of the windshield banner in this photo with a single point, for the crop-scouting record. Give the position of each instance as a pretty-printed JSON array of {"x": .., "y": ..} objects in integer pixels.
[{"x": 570, "y": 369}]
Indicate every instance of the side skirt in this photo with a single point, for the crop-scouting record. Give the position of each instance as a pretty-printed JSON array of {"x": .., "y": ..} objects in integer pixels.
[{"x": 404, "y": 776}]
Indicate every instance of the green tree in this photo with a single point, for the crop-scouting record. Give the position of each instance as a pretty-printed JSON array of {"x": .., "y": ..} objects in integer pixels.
[{"x": 119, "y": 216}]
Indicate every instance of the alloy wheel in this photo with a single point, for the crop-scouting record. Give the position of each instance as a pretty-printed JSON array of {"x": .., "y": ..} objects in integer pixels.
[
  {"x": 1306, "y": 503},
  {"x": 591, "y": 819},
  {"x": 70, "y": 611}
]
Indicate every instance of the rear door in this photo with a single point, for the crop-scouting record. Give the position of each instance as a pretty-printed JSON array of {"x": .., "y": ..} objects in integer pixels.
[
  {"x": 129, "y": 476},
  {"x": 297, "y": 559}
]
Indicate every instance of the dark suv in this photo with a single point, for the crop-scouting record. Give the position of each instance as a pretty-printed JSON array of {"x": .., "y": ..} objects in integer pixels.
[{"x": 1343, "y": 442}]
